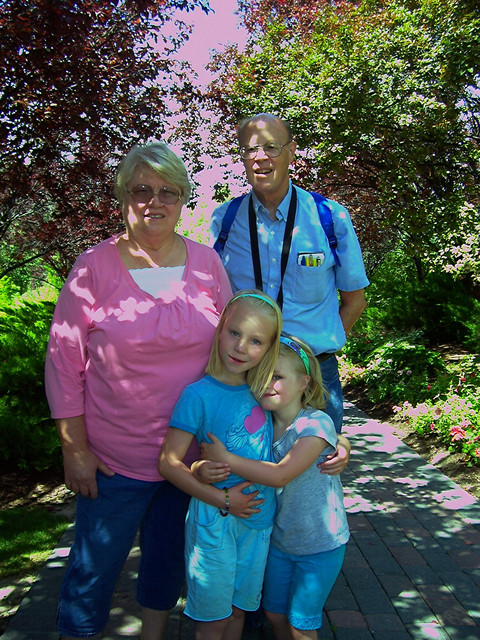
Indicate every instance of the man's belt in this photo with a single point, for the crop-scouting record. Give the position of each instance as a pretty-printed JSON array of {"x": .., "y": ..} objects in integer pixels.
[{"x": 324, "y": 356}]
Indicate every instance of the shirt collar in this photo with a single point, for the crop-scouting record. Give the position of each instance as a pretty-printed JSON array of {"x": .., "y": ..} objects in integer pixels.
[{"x": 282, "y": 211}]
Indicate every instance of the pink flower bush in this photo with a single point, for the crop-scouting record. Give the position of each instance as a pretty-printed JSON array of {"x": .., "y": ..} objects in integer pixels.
[
  {"x": 448, "y": 405},
  {"x": 455, "y": 419},
  {"x": 457, "y": 433}
]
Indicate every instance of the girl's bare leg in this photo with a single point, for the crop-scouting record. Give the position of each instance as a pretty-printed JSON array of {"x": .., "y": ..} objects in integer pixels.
[
  {"x": 280, "y": 625},
  {"x": 235, "y": 625},
  {"x": 153, "y": 624},
  {"x": 303, "y": 634},
  {"x": 211, "y": 630}
]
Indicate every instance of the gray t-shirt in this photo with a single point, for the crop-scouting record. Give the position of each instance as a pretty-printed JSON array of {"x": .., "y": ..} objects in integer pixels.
[{"x": 310, "y": 516}]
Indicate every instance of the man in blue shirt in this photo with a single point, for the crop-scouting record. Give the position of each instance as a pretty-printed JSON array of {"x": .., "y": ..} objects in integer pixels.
[{"x": 321, "y": 301}]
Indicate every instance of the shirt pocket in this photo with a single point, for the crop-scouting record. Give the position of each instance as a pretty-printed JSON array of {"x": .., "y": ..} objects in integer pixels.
[{"x": 311, "y": 284}]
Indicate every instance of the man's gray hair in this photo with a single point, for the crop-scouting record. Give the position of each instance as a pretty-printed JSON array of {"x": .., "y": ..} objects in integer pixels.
[{"x": 263, "y": 116}]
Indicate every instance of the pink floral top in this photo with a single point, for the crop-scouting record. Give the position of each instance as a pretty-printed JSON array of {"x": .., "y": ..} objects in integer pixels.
[{"x": 121, "y": 357}]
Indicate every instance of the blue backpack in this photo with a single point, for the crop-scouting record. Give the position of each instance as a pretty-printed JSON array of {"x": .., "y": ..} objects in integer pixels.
[{"x": 324, "y": 213}]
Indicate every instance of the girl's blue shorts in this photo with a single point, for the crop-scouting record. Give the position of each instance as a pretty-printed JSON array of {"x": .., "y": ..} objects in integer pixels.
[
  {"x": 298, "y": 586},
  {"x": 225, "y": 561}
]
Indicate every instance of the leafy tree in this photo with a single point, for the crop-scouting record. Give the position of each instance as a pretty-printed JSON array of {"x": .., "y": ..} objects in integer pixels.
[
  {"x": 384, "y": 98},
  {"x": 82, "y": 81}
]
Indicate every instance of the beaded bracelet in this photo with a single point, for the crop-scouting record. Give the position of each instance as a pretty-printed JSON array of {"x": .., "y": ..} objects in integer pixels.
[{"x": 227, "y": 503}]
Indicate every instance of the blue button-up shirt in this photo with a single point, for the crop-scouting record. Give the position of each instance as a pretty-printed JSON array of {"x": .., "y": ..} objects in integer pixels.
[{"x": 312, "y": 278}]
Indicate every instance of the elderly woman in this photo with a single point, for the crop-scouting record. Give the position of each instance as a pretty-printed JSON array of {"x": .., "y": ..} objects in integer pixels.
[{"x": 132, "y": 327}]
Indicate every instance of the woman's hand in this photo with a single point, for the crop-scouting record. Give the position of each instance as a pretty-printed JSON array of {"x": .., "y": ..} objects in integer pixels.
[
  {"x": 243, "y": 505},
  {"x": 336, "y": 462},
  {"x": 79, "y": 462},
  {"x": 81, "y": 468},
  {"x": 210, "y": 472},
  {"x": 214, "y": 450}
]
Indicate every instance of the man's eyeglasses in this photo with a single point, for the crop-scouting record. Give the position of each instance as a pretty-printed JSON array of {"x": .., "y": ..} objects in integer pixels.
[
  {"x": 142, "y": 194},
  {"x": 271, "y": 149}
]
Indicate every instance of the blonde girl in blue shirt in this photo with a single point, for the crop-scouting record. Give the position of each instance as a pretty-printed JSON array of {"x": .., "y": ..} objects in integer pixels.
[
  {"x": 226, "y": 548},
  {"x": 310, "y": 531}
]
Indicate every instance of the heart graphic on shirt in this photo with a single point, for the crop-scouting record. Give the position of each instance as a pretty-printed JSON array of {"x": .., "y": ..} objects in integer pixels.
[{"x": 255, "y": 420}]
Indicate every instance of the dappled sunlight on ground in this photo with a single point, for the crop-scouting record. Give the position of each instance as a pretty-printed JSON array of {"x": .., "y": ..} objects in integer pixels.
[{"x": 411, "y": 570}]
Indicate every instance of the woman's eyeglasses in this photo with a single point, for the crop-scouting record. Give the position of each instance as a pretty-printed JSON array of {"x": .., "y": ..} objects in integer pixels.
[{"x": 143, "y": 194}]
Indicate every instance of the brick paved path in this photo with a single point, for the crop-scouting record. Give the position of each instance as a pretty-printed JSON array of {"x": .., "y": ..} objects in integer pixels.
[{"x": 412, "y": 569}]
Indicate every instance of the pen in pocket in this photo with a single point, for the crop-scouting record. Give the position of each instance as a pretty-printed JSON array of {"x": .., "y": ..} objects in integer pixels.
[{"x": 310, "y": 259}]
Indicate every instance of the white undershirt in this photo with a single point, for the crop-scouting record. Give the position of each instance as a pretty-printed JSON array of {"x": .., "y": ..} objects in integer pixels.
[{"x": 157, "y": 281}]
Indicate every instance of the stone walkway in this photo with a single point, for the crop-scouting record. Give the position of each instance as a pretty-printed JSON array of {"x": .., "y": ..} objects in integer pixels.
[{"x": 412, "y": 569}]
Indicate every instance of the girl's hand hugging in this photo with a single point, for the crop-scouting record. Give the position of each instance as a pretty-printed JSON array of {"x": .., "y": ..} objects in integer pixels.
[
  {"x": 214, "y": 450},
  {"x": 210, "y": 472}
]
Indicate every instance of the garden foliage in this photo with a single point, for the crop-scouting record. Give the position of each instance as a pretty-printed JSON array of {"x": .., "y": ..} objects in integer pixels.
[
  {"x": 384, "y": 102},
  {"x": 395, "y": 351},
  {"x": 27, "y": 433},
  {"x": 82, "y": 82},
  {"x": 436, "y": 397},
  {"x": 437, "y": 304},
  {"x": 454, "y": 417}
]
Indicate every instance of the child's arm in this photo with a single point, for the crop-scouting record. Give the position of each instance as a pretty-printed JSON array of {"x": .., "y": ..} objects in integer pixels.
[
  {"x": 171, "y": 467},
  {"x": 209, "y": 471},
  {"x": 337, "y": 462},
  {"x": 303, "y": 453}
]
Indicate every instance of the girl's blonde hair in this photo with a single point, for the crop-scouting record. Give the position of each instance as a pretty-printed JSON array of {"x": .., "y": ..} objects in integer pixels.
[
  {"x": 315, "y": 394},
  {"x": 161, "y": 160},
  {"x": 259, "y": 376}
]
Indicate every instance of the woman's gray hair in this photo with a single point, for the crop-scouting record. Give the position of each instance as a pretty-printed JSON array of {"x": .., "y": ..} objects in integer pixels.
[{"x": 160, "y": 159}]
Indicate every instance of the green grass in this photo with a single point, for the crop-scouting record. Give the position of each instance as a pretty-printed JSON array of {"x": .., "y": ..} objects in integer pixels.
[{"x": 27, "y": 537}]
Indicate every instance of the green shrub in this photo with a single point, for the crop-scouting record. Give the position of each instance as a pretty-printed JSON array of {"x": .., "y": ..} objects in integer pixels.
[
  {"x": 195, "y": 224},
  {"x": 471, "y": 324},
  {"x": 402, "y": 370},
  {"x": 436, "y": 305},
  {"x": 27, "y": 433},
  {"x": 361, "y": 345},
  {"x": 447, "y": 312},
  {"x": 392, "y": 352}
]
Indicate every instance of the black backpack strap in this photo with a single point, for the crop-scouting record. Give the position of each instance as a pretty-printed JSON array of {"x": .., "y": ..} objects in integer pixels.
[
  {"x": 227, "y": 222},
  {"x": 325, "y": 215}
]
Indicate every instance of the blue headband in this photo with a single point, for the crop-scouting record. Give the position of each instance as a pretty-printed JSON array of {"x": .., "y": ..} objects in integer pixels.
[
  {"x": 253, "y": 295},
  {"x": 298, "y": 350}
]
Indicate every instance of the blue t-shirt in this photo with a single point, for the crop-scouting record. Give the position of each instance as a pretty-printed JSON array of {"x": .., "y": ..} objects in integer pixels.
[
  {"x": 310, "y": 300},
  {"x": 235, "y": 417}
]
